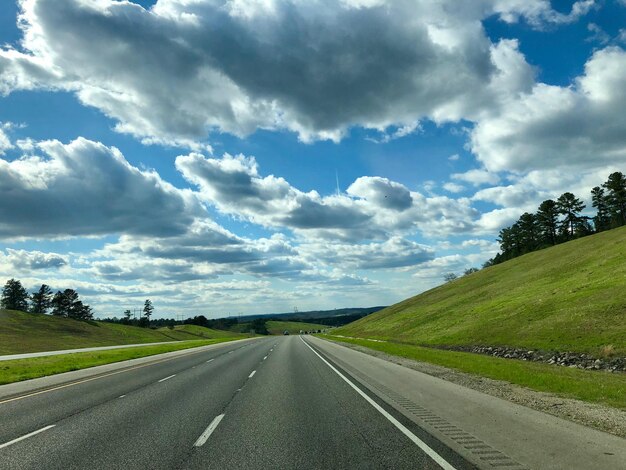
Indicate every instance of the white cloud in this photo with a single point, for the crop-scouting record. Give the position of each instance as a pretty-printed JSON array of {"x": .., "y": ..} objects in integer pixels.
[
  {"x": 373, "y": 208},
  {"x": 453, "y": 187},
  {"x": 5, "y": 141},
  {"x": 477, "y": 177},
  {"x": 86, "y": 188},
  {"x": 237, "y": 66},
  {"x": 32, "y": 260},
  {"x": 393, "y": 253},
  {"x": 582, "y": 126}
]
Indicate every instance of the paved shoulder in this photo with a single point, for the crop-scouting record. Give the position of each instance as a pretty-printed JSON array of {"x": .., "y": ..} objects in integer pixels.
[{"x": 482, "y": 428}]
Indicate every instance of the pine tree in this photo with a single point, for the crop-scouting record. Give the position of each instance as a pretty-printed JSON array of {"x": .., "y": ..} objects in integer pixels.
[
  {"x": 569, "y": 206},
  {"x": 602, "y": 220},
  {"x": 529, "y": 234},
  {"x": 147, "y": 312},
  {"x": 14, "y": 296},
  {"x": 616, "y": 197},
  {"x": 67, "y": 304},
  {"x": 547, "y": 221},
  {"x": 40, "y": 301}
]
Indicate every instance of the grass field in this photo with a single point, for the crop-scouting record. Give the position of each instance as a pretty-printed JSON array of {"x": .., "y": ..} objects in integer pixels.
[
  {"x": 592, "y": 386},
  {"x": 571, "y": 297},
  {"x": 27, "y": 332},
  {"x": 24, "y": 369}
]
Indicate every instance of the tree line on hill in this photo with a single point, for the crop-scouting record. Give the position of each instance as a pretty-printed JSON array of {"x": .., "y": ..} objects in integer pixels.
[
  {"x": 64, "y": 303},
  {"x": 558, "y": 221},
  {"x": 129, "y": 319}
]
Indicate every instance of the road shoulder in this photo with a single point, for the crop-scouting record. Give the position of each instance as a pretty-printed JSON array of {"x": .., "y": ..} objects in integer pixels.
[
  {"x": 531, "y": 438},
  {"x": 600, "y": 417}
]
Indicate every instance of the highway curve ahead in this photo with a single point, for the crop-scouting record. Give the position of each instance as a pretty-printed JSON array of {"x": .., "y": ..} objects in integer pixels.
[{"x": 270, "y": 403}]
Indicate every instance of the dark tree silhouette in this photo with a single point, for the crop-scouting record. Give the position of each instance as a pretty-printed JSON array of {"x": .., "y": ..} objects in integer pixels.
[
  {"x": 528, "y": 232},
  {"x": 144, "y": 321},
  {"x": 570, "y": 207},
  {"x": 616, "y": 197},
  {"x": 127, "y": 317},
  {"x": 67, "y": 304},
  {"x": 14, "y": 296},
  {"x": 547, "y": 221},
  {"x": 602, "y": 220},
  {"x": 40, "y": 301}
]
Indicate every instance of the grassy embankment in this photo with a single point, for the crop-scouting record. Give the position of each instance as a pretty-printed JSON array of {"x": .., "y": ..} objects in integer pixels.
[
  {"x": 27, "y": 332},
  {"x": 24, "y": 369},
  {"x": 571, "y": 297}
]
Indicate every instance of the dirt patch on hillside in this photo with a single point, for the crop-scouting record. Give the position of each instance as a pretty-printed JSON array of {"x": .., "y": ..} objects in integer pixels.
[{"x": 600, "y": 417}]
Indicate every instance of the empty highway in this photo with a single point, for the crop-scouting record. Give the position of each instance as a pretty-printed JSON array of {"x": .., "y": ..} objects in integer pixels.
[{"x": 275, "y": 402}]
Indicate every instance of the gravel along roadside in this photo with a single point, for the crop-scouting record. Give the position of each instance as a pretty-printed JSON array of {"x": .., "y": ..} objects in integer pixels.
[{"x": 603, "y": 418}]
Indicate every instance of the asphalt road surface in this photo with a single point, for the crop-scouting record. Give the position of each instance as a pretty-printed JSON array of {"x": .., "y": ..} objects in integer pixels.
[{"x": 272, "y": 403}]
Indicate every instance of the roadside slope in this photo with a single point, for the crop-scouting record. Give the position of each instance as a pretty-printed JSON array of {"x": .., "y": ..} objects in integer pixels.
[
  {"x": 27, "y": 332},
  {"x": 570, "y": 297}
]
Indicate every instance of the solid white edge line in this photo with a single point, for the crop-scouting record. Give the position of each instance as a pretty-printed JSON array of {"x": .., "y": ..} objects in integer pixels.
[
  {"x": 252, "y": 374},
  {"x": 210, "y": 360},
  {"x": 421, "y": 444},
  {"x": 167, "y": 378},
  {"x": 26, "y": 436},
  {"x": 208, "y": 431}
]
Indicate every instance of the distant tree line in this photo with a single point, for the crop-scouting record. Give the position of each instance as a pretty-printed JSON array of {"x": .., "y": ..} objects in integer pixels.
[
  {"x": 62, "y": 304},
  {"x": 558, "y": 221}
]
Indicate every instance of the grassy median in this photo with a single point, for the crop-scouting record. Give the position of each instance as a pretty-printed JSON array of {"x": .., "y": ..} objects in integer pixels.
[
  {"x": 592, "y": 386},
  {"x": 24, "y": 369}
]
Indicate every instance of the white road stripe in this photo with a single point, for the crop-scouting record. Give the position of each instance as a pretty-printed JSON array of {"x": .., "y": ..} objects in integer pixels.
[
  {"x": 26, "y": 436},
  {"x": 208, "y": 431},
  {"x": 167, "y": 378},
  {"x": 230, "y": 352},
  {"x": 121, "y": 396},
  {"x": 265, "y": 358},
  {"x": 421, "y": 444},
  {"x": 252, "y": 374},
  {"x": 210, "y": 360}
]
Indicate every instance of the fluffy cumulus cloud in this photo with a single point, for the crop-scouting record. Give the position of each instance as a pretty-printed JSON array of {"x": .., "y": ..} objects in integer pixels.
[
  {"x": 87, "y": 188},
  {"x": 236, "y": 66},
  {"x": 373, "y": 208},
  {"x": 393, "y": 253},
  {"x": 581, "y": 126},
  {"x": 23, "y": 260}
]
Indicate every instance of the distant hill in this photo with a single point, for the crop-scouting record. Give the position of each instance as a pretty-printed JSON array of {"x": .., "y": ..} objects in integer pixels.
[
  {"x": 279, "y": 327},
  {"x": 338, "y": 316},
  {"x": 570, "y": 297},
  {"x": 28, "y": 332}
]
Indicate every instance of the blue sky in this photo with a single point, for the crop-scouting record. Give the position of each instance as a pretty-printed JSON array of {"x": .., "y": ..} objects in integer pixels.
[{"x": 257, "y": 155}]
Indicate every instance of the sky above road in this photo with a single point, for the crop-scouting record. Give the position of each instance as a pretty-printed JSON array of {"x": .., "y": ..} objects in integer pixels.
[{"x": 254, "y": 156}]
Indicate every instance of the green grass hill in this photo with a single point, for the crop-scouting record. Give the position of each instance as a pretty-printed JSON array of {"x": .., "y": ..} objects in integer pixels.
[
  {"x": 27, "y": 332},
  {"x": 571, "y": 297}
]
